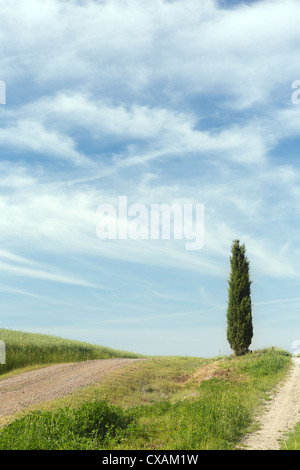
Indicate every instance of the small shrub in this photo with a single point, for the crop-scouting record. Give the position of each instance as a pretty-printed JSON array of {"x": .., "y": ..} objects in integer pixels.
[{"x": 87, "y": 427}]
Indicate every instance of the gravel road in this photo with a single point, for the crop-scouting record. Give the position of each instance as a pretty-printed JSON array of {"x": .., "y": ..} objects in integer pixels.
[
  {"x": 28, "y": 388},
  {"x": 281, "y": 415}
]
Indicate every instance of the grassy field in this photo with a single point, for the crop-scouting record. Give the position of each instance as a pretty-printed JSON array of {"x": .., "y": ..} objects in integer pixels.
[
  {"x": 31, "y": 350},
  {"x": 163, "y": 403}
]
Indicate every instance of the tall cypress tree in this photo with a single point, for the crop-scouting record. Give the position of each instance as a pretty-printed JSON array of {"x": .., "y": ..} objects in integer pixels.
[{"x": 239, "y": 311}]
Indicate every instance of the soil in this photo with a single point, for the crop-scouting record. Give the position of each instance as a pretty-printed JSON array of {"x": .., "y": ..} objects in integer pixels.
[
  {"x": 29, "y": 388},
  {"x": 282, "y": 413}
]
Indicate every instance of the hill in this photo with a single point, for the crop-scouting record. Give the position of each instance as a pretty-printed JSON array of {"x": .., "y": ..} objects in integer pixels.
[{"x": 35, "y": 350}]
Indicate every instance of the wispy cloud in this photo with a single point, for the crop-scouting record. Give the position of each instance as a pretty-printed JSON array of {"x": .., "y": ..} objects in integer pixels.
[
  {"x": 278, "y": 301},
  {"x": 31, "y": 136},
  {"x": 36, "y": 270}
]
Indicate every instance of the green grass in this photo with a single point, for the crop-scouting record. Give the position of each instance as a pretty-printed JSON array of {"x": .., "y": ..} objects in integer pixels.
[
  {"x": 161, "y": 403},
  {"x": 87, "y": 427},
  {"x": 292, "y": 441},
  {"x": 25, "y": 350}
]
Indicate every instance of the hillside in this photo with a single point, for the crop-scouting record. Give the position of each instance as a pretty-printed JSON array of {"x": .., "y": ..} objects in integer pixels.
[{"x": 34, "y": 350}]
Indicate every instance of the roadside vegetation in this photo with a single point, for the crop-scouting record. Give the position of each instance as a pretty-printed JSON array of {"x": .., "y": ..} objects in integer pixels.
[
  {"x": 29, "y": 350},
  {"x": 292, "y": 441},
  {"x": 163, "y": 403}
]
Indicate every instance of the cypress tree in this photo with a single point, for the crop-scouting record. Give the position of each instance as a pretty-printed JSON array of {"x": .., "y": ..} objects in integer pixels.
[{"x": 239, "y": 311}]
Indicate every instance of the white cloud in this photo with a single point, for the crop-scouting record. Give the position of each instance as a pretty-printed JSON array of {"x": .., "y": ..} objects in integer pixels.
[
  {"x": 182, "y": 48},
  {"x": 101, "y": 119},
  {"x": 157, "y": 132},
  {"x": 21, "y": 266},
  {"x": 244, "y": 56},
  {"x": 44, "y": 275},
  {"x": 31, "y": 136}
]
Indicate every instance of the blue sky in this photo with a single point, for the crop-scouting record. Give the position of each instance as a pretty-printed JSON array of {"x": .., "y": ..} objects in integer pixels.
[{"x": 163, "y": 102}]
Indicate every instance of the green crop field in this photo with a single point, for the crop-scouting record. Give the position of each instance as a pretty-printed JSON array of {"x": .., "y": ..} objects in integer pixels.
[{"x": 32, "y": 349}]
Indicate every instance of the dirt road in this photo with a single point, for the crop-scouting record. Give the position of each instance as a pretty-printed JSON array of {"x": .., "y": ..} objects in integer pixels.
[
  {"x": 282, "y": 413},
  {"x": 27, "y": 388}
]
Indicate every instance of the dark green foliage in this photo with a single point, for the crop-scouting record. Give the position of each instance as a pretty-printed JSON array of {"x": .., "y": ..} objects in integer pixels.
[
  {"x": 239, "y": 312},
  {"x": 87, "y": 427}
]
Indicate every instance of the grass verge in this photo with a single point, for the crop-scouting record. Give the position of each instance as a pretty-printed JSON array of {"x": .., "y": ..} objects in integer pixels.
[
  {"x": 292, "y": 441},
  {"x": 175, "y": 403}
]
